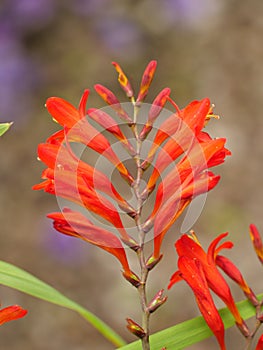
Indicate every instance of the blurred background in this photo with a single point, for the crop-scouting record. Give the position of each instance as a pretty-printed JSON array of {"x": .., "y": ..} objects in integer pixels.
[{"x": 59, "y": 48}]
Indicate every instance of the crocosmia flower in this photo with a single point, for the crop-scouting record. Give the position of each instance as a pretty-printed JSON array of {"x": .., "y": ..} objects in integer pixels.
[
  {"x": 199, "y": 269},
  {"x": 11, "y": 313},
  {"x": 173, "y": 169}
]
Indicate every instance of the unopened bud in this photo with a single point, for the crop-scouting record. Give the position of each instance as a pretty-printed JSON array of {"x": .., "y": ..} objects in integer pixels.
[
  {"x": 257, "y": 242},
  {"x": 243, "y": 328},
  {"x": 146, "y": 81},
  {"x": 112, "y": 100},
  {"x": 123, "y": 80},
  {"x": 132, "y": 278},
  {"x": 152, "y": 261},
  {"x": 135, "y": 329},
  {"x": 157, "y": 301}
]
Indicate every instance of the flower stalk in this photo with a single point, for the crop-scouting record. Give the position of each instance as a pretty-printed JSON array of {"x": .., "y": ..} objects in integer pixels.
[{"x": 141, "y": 235}]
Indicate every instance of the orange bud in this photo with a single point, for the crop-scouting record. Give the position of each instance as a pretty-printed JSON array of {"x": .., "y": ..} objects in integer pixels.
[
  {"x": 112, "y": 100},
  {"x": 257, "y": 242},
  {"x": 146, "y": 81},
  {"x": 123, "y": 80}
]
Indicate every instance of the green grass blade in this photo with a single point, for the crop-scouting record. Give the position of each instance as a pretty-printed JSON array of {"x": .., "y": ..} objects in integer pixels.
[
  {"x": 192, "y": 331},
  {"x": 14, "y": 277},
  {"x": 4, "y": 127}
]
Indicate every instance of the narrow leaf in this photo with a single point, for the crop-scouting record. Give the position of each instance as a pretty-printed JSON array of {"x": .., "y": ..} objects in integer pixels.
[
  {"x": 14, "y": 277},
  {"x": 192, "y": 331},
  {"x": 4, "y": 127}
]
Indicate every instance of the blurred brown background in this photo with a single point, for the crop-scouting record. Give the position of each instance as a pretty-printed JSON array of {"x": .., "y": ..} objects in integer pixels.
[{"x": 58, "y": 48}]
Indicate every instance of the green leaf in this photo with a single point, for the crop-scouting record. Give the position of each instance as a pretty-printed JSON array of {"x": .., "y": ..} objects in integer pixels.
[
  {"x": 14, "y": 277},
  {"x": 4, "y": 127},
  {"x": 192, "y": 331}
]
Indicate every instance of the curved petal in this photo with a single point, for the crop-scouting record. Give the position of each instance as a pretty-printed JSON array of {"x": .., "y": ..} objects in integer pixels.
[
  {"x": 11, "y": 313},
  {"x": 113, "y": 102},
  {"x": 75, "y": 224},
  {"x": 192, "y": 272}
]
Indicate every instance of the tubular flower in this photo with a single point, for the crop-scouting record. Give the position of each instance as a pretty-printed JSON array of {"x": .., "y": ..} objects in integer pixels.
[
  {"x": 11, "y": 313},
  {"x": 192, "y": 272},
  {"x": 75, "y": 224},
  {"x": 78, "y": 129},
  {"x": 188, "y": 246},
  {"x": 257, "y": 242},
  {"x": 233, "y": 272},
  {"x": 185, "y": 181}
]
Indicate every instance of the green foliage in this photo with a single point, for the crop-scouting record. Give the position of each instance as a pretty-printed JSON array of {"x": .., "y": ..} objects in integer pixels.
[
  {"x": 4, "y": 127},
  {"x": 14, "y": 277},
  {"x": 192, "y": 331},
  {"x": 174, "y": 338}
]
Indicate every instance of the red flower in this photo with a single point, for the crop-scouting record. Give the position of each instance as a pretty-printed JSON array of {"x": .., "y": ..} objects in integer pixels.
[
  {"x": 260, "y": 343},
  {"x": 192, "y": 272},
  {"x": 11, "y": 313},
  {"x": 76, "y": 128},
  {"x": 70, "y": 178},
  {"x": 186, "y": 180},
  {"x": 75, "y": 224},
  {"x": 257, "y": 242},
  {"x": 189, "y": 247},
  {"x": 180, "y": 138},
  {"x": 233, "y": 272}
]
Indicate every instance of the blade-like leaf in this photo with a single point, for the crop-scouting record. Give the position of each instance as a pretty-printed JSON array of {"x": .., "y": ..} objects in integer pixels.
[
  {"x": 192, "y": 331},
  {"x": 4, "y": 127},
  {"x": 14, "y": 277}
]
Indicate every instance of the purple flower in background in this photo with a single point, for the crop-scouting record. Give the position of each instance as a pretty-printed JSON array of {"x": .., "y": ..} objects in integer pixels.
[
  {"x": 18, "y": 77},
  {"x": 190, "y": 13},
  {"x": 29, "y": 14},
  {"x": 62, "y": 248},
  {"x": 88, "y": 8},
  {"x": 120, "y": 36}
]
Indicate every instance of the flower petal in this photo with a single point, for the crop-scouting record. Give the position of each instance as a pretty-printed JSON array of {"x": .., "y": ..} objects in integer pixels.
[
  {"x": 233, "y": 272},
  {"x": 192, "y": 272},
  {"x": 113, "y": 102},
  {"x": 11, "y": 313},
  {"x": 75, "y": 224},
  {"x": 107, "y": 122}
]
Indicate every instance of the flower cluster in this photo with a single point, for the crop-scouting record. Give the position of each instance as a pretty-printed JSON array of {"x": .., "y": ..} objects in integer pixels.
[
  {"x": 200, "y": 271},
  {"x": 174, "y": 171},
  {"x": 69, "y": 177}
]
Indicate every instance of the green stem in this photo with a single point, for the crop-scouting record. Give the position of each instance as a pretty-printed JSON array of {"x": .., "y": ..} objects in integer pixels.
[{"x": 140, "y": 251}]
